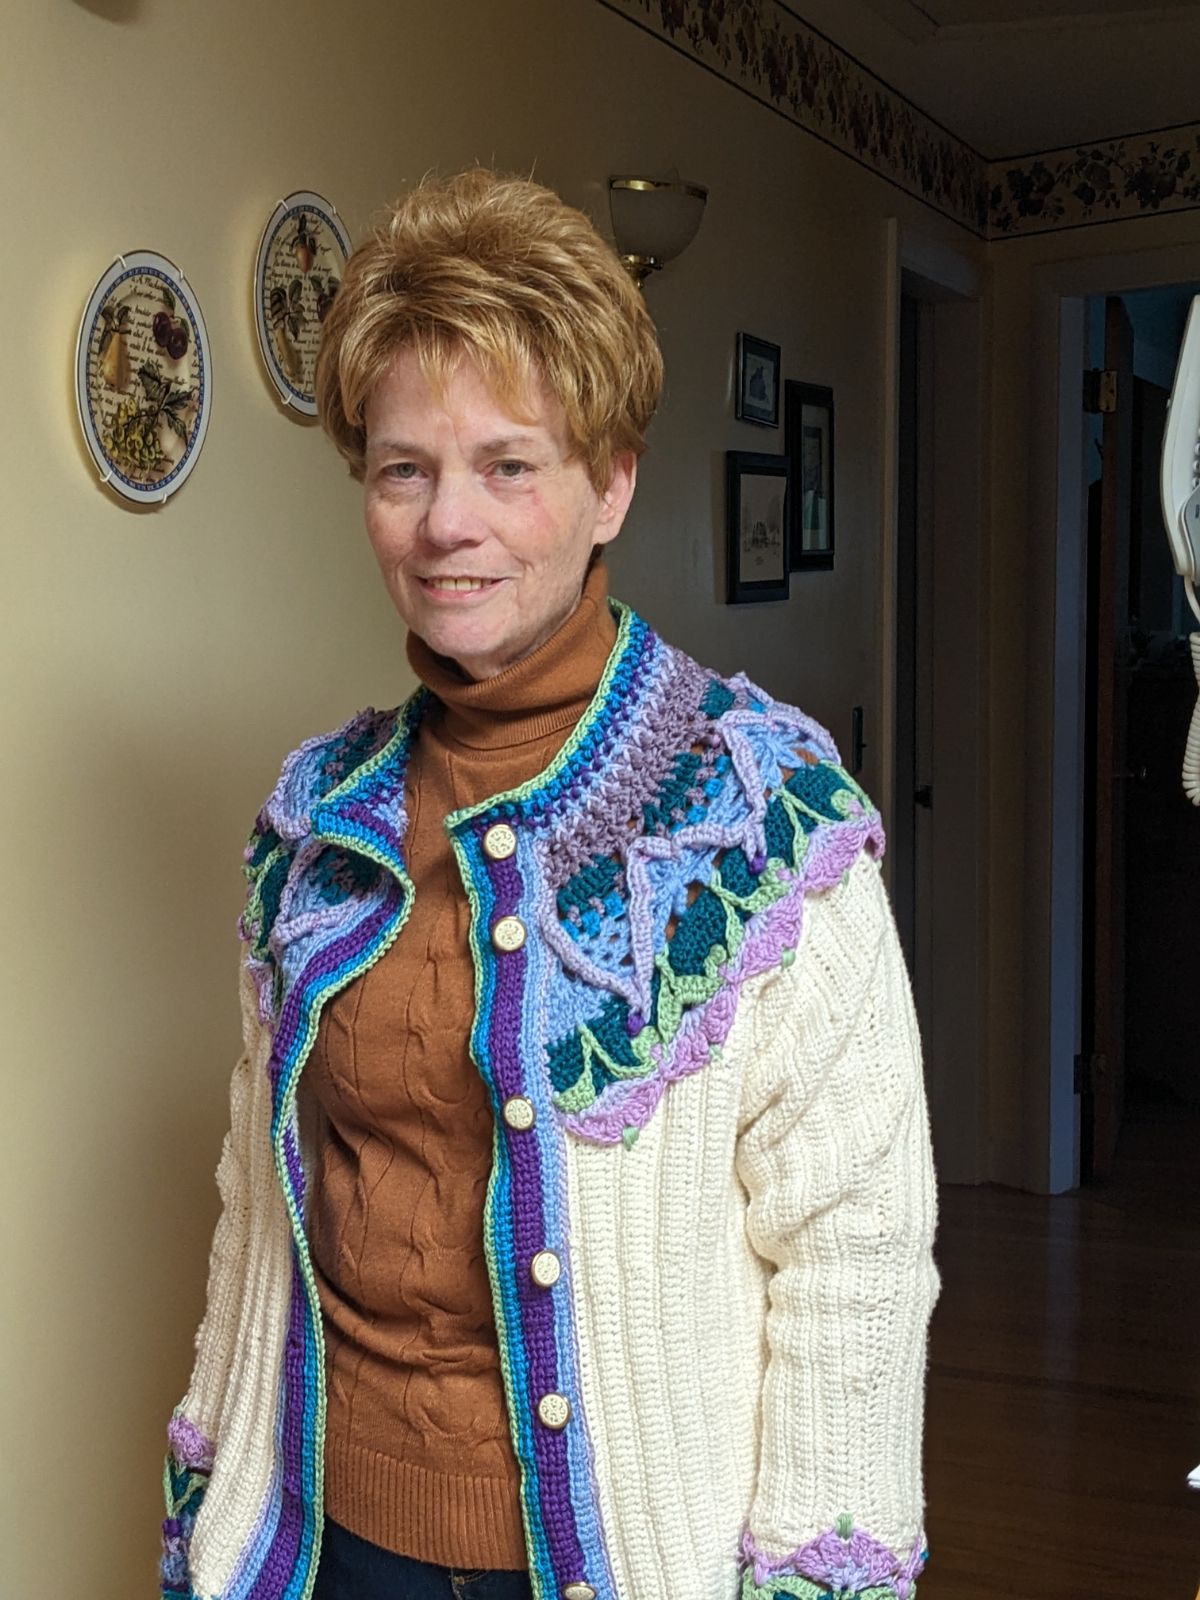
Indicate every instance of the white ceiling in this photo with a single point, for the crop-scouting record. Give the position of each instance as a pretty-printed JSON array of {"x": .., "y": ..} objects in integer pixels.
[{"x": 1015, "y": 76}]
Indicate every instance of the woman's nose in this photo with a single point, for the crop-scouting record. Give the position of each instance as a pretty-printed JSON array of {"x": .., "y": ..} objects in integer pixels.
[{"x": 450, "y": 517}]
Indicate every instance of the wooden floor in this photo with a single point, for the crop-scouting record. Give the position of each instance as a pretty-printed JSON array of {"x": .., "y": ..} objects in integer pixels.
[{"x": 1064, "y": 1394}]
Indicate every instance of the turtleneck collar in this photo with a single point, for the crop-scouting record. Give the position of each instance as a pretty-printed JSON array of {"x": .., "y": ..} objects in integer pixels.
[{"x": 544, "y": 693}]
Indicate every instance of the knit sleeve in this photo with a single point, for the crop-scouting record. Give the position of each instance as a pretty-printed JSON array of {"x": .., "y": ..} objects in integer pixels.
[
  {"x": 209, "y": 1410},
  {"x": 834, "y": 1152}
]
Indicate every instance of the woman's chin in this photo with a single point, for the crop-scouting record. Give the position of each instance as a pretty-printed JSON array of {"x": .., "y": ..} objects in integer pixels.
[{"x": 473, "y": 648}]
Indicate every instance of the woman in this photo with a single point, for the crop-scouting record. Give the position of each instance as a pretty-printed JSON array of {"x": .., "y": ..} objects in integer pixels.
[{"x": 589, "y": 1256}]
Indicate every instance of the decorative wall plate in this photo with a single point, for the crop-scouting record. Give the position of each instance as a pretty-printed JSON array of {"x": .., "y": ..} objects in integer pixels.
[
  {"x": 143, "y": 377},
  {"x": 298, "y": 271}
]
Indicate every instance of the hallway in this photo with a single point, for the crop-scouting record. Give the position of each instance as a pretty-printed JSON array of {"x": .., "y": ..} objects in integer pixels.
[{"x": 1064, "y": 1394}]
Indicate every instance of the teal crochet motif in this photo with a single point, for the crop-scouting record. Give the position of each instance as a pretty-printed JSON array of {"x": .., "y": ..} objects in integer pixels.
[
  {"x": 338, "y": 874},
  {"x": 617, "y": 1043},
  {"x": 184, "y": 1493}
]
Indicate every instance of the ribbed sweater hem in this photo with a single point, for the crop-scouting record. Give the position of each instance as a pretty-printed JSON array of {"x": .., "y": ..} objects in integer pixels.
[{"x": 444, "y": 1517}]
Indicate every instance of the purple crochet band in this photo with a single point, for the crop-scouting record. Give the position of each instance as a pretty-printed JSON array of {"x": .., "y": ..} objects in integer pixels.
[
  {"x": 537, "y": 1333},
  {"x": 190, "y": 1447},
  {"x": 844, "y": 1559}
]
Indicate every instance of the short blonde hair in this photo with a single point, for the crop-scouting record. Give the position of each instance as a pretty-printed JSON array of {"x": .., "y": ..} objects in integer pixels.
[{"x": 502, "y": 271}]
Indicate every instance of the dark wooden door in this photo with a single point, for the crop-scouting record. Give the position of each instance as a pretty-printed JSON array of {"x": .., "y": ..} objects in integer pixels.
[{"x": 1106, "y": 766}]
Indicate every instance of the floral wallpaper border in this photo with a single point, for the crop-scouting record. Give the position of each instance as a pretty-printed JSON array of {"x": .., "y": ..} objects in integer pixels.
[
  {"x": 1140, "y": 175},
  {"x": 764, "y": 49}
]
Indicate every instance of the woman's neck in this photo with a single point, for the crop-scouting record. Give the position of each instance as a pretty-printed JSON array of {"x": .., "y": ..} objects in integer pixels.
[{"x": 544, "y": 692}]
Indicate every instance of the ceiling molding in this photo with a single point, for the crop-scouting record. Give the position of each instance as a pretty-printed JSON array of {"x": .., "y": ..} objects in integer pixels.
[
  {"x": 908, "y": 18},
  {"x": 919, "y": 23},
  {"x": 954, "y": 32}
]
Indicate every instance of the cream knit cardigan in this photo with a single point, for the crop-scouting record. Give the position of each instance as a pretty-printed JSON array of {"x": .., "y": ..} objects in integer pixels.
[
  {"x": 754, "y": 1282},
  {"x": 747, "y": 1283}
]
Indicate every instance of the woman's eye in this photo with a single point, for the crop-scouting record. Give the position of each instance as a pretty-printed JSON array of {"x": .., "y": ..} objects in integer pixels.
[
  {"x": 512, "y": 469},
  {"x": 404, "y": 470}
]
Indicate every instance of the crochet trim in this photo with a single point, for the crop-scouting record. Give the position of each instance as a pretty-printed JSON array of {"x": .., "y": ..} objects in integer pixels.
[
  {"x": 844, "y": 1563},
  {"x": 326, "y": 928},
  {"x": 526, "y": 1204},
  {"x": 769, "y": 942},
  {"x": 191, "y": 1448},
  {"x": 183, "y": 1493}
]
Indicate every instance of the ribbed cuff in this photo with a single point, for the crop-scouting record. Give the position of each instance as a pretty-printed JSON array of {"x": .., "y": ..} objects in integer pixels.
[{"x": 444, "y": 1517}]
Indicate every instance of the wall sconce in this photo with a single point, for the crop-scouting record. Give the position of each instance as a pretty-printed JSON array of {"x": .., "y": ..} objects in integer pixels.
[{"x": 653, "y": 219}]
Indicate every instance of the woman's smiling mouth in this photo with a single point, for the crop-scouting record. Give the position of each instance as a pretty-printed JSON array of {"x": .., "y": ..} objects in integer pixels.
[{"x": 457, "y": 585}]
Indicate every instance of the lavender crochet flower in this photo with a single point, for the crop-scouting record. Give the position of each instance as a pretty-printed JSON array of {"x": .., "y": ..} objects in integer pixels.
[{"x": 845, "y": 1561}]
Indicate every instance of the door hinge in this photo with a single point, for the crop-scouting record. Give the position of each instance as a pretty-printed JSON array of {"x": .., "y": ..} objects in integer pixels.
[{"x": 1099, "y": 390}]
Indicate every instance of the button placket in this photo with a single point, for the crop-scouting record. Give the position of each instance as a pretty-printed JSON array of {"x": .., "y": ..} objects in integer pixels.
[{"x": 508, "y": 934}]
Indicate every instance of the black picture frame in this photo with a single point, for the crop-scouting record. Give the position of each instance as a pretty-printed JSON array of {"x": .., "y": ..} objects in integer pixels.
[
  {"x": 756, "y": 526},
  {"x": 756, "y": 381},
  {"x": 808, "y": 435}
]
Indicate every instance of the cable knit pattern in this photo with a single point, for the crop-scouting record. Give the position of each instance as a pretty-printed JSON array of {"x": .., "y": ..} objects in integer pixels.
[{"x": 709, "y": 1017}]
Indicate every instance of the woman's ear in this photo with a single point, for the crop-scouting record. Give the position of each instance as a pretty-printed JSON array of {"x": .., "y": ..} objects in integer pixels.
[{"x": 614, "y": 502}]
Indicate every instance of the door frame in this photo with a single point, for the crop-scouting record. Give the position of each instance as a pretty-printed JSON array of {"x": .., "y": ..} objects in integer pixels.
[
  {"x": 953, "y": 284},
  {"x": 1057, "y": 635}
]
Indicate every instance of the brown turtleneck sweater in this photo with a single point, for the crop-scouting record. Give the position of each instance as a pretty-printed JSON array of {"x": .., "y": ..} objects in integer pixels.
[{"x": 418, "y": 1454}]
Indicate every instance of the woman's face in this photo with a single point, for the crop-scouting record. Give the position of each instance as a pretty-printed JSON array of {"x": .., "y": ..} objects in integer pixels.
[{"x": 482, "y": 523}]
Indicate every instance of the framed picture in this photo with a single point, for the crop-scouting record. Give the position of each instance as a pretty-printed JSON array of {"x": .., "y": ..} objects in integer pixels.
[
  {"x": 756, "y": 396},
  {"x": 808, "y": 440},
  {"x": 756, "y": 501}
]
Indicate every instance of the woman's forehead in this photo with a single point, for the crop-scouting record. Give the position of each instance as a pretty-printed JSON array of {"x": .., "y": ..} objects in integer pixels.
[{"x": 419, "y": 395}]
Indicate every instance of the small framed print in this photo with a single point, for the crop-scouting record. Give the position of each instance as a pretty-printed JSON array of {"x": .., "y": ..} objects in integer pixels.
[
  {"x": 756, "y": 502},
  {"x": 808, "y": 439},
  {"x": 756, "y": 397}
]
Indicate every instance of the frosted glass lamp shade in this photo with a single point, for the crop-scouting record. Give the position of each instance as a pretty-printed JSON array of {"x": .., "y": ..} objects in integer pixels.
[{"x": 653, "y": 220}]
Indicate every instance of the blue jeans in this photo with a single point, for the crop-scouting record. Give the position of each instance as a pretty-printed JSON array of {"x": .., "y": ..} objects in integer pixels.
[{"x": 354, "y": 1569}]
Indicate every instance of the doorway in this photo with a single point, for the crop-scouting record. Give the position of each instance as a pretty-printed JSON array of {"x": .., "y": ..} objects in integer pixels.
[
  {"x": 935, "y": 663},
  {"x": 1141, "y": 842},
  {"x": 1064, "y": 461}
]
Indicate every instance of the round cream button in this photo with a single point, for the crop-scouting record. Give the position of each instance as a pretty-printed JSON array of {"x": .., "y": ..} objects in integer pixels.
[
  {"x": 508, "y": 934},
  {"x": 499, "y": 842},
  {"x": 519, "y": 1113},
  {"x": 579, "y": 1591},
  {"x": 545, "y": 1268},
  {"x": 554, "y": 1411}
]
